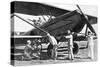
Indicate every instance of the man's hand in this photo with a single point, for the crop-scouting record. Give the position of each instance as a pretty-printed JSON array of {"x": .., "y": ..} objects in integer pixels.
[
  {"x": 32, "y": 48},
  {"x": 48, "y": 34}
]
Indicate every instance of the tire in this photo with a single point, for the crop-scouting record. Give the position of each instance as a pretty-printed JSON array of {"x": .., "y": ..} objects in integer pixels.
[
  {"x": 76, "y": 48},
  {"x": 49, "y": 50}
]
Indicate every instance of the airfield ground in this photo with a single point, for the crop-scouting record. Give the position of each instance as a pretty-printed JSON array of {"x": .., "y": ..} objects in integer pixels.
[{"x": 80, "y": 57}]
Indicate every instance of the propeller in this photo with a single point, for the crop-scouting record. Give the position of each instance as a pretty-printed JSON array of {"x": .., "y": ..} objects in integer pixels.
[{"x": 86, "y": 19}]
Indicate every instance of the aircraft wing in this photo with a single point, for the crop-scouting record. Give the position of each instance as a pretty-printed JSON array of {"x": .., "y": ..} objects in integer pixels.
[
  {"x": 33, "y": 8},
  {"x": 69, "y": 21}
]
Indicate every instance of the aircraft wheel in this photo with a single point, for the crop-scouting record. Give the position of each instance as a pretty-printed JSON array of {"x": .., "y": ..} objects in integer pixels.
[
  {"x": 76, "y": 48},
  {"x": 49, "y": 50}
]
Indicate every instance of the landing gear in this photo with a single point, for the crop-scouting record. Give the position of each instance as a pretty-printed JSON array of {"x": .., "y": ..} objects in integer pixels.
[
  {"x": 49, "y": 50},
  {"x": 76, "y": 48}
]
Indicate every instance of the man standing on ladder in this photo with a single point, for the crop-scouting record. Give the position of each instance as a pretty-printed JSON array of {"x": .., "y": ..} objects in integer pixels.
[{"x": 70, "y": 45}]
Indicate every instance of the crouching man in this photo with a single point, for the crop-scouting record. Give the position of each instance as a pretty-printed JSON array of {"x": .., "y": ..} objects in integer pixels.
[
  {"x": 32, "y": 49},
  {"x": 28, "y": 50}
]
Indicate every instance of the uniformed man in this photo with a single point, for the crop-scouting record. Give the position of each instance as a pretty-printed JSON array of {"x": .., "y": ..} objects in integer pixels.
[
  {"x": 90, "y": 46},
  {"x": 70, "y": 45},
  {"x": 53, "y": 43}
]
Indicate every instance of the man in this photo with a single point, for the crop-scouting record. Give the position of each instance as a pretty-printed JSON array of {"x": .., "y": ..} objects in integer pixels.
[
  {"x": 37, "y": 49},
  {"x": 32, "y": 49},
  {"x": 28, "y": 49},
  {"x": 90, "y": 46},
  {"x": 53, "y": 44},
  {"x": 70, "y": 45}
]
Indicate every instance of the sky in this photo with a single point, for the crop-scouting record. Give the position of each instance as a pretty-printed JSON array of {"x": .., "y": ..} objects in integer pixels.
[
  {"x": 21, "y": 26},
  {"x": 87, "y": 9}
]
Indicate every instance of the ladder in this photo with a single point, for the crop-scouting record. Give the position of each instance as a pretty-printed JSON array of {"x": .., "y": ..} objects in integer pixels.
[{"x": 62, "y": 51}]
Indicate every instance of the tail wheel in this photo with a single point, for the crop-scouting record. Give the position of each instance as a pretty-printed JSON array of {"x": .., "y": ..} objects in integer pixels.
[{"x": 76, "y": 48}]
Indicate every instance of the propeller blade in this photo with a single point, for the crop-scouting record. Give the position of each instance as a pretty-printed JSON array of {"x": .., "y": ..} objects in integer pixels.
[
  {"x": 86, "y": 30},
  {"x": 87, "y": 22}
]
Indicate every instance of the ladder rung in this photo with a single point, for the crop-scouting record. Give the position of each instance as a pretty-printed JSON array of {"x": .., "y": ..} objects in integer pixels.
[{"x": 64, "y": 52}]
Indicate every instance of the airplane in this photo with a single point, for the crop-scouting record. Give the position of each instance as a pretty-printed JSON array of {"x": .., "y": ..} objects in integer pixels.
[{"x": 65, "y": 20}]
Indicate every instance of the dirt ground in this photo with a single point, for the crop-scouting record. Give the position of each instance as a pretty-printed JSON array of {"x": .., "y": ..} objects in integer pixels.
[{"x": 80, "y": 57}]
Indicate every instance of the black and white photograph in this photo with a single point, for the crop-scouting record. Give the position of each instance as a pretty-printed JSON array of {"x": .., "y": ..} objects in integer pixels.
[{"x": 51, "y": 33}]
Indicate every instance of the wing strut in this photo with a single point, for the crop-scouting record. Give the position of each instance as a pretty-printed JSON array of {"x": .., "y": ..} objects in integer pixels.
[{"x": 30, "y": 23}]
